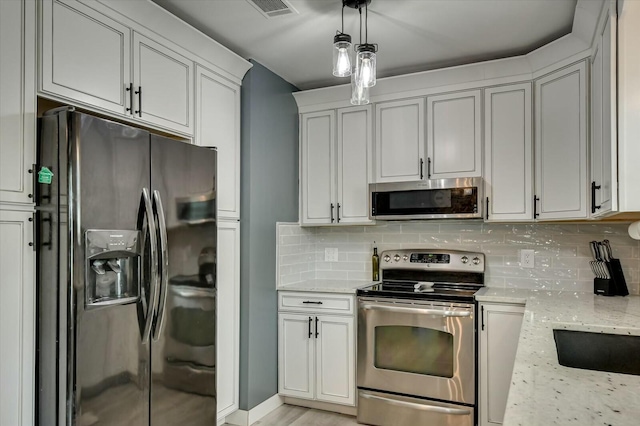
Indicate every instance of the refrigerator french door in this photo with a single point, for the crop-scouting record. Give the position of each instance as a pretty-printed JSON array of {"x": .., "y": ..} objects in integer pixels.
[{"x": 126, "y": 247}]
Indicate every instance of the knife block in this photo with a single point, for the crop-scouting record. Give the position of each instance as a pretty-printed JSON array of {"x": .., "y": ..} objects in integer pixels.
[
  {"x": 615, "y": 271},
  {"x": 604, "y": 287}
]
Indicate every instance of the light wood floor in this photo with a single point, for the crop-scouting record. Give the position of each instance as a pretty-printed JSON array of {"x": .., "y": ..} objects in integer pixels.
[{"x": 290, "y": 415}]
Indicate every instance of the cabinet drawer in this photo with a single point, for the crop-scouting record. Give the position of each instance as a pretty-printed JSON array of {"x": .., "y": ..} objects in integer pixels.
[{"x": 315, "y": 302}]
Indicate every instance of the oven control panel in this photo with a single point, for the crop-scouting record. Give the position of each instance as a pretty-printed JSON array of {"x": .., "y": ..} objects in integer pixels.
[
  {"x": 430, "y": 258},
  {"x": 440, "y": 259}
]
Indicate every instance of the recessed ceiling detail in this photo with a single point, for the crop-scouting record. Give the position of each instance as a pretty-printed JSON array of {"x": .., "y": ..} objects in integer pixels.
[
  {"x": 415, "y": 35},
  {"x": 273, "y": 8}
]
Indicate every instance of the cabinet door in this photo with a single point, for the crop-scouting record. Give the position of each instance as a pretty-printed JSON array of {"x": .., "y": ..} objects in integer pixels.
[
  {"x": 354, "y": 164},
  {"x": 164, "y": 82},
  {"x": 85, "y": 55},
  {"x": 604, "y": 169},
  {"x": 454, "y": 141},
  {"x": 399, "y": 153},
  {"x": 228, "y": 317},
  {"x": 296, "y": 355},
  {"x": 218, "y": 124},
  {"x": 499, "y": 333},
  {"x": 317, "y": 162},
  {"x": 17, "y": 100},
  {"x": 17, "y": 315},
  {"x": 561, "y": 144},
  {"x": 335, "y": 360},
  {"x": 508, "y": 152}
]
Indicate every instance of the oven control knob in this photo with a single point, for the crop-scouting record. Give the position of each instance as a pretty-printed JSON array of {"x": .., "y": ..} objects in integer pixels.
[
  {"x": 476, "y": 260},
  {"x": 464, "y": 259},
  {"x": 396, "y": 258},
  {"x": 386, "y": 258},
  {"x": 405, "y": 257}
]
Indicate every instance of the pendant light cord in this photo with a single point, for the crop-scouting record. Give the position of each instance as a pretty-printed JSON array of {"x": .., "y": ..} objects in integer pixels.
[
  {"x": 360, "y": 12},
  {"x": 342, "y": 32},
  {"x": 366, "y": 23}
]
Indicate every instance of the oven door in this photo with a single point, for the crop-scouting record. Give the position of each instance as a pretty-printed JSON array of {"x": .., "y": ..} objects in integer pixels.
[{"x": 424, "y": 348}]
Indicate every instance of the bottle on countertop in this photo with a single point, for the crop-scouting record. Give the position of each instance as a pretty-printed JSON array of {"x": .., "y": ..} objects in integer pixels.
[{"x": 375, "y": 264}]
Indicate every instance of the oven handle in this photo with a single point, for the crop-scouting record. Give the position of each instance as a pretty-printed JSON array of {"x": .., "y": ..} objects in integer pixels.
[
  {"x": 445, "y": 410},
  {"x": 442, "y": 312}
]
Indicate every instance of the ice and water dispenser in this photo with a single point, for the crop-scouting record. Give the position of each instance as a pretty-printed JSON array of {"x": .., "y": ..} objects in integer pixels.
[{"x": 113, "y": 267}]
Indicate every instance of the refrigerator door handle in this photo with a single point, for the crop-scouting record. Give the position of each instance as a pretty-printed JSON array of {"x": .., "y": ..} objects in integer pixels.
[
  {"x": 146, "y": 209},
  {"x": 164, "y": 264}
]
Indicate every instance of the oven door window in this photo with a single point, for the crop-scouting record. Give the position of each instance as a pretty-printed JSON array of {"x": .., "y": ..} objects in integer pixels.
[{"x": 415, "y": 350}]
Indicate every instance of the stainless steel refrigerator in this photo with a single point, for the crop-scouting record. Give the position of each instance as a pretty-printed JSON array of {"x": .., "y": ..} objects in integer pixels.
[{"x": 126, "y": 249}]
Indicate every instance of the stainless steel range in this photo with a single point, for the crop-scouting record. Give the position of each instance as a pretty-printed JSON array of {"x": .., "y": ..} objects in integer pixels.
[{"x": 416, "y": 339}]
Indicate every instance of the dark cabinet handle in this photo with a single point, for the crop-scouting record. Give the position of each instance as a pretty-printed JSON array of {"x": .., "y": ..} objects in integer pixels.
[
  {"x": 482, "y": 317},
  {"x": 312, "y": 303},
  {"x": 130, "y": 90},
  {"x": 139, "y": 93},
  {"x": 535, "y": 206},
  {"x": 487, "y": 213},
  {"x": 332, "y": 219},
  {"x": 428, "y": 168},
  {"x": 310, "y": 334},
  {"x": 593, "y": 197},
  {"x": 338, "y": 213},
  {"x": 421, "y": 167},
  {"x": 317, "y": 333}
]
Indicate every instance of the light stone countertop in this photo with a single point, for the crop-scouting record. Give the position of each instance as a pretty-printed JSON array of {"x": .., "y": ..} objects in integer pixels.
[
  {"x": 326, "y": 286},
  {"x": 542, "y": 391}
]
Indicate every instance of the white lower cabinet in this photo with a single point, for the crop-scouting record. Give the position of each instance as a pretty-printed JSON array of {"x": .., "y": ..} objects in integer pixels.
[
  {"x": 228, "y": 315},
  {"x": 17, "y": 318},
  {"x": 316, "y": 355},
  {"x": 499, "y": 332}
]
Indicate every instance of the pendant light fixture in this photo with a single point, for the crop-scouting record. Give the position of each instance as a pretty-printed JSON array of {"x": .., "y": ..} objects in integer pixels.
[
  {"x": 342, "y": 52},
  {"x": 366, "y": 54},
  {"x": 363, "y": 76}
]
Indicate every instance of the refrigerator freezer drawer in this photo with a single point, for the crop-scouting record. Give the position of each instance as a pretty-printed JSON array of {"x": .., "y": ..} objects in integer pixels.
[{"x": 383, "y": 409}]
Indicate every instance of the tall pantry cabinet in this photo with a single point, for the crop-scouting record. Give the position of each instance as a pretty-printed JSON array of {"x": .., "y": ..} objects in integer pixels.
[{"x": 17, "y": 258}]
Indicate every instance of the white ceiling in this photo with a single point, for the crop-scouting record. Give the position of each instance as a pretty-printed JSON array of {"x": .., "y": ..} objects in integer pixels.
[{"x": 412, "y": 35}]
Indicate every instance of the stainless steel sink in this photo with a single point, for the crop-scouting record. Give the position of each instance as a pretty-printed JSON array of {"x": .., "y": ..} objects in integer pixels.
[{"x": 613, "y": 353}]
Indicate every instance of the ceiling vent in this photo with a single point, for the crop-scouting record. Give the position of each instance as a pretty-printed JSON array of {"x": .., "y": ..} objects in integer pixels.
[{"x": 273, "y": 8}]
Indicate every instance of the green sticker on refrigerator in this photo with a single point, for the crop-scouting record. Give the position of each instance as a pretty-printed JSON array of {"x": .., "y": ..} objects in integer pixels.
[{"x": 45, "y": 175}]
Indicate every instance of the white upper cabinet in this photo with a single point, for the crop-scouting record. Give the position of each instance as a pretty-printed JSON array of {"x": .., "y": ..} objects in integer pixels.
[
  {"x": 354, "y": 146},
  {"x": 163, "y": 85},
  {"x": 454, "y": 135},
  {"x": 508, "y": 152},
  {"x": 218, "y": 125},
  {"x": 317, "y": 160},
  {"x": 399, "y": 150},
  {"x": 604, "y": 166},
  {"x": 17, "y": 100},
  {"x": 561, "y": 144},
  {"x": 85, "y": 55},
  {"x": 335, "y": 166}
]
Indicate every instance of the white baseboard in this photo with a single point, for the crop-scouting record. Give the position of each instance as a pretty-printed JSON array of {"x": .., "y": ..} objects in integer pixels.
[{"x": 247, "y": 418}]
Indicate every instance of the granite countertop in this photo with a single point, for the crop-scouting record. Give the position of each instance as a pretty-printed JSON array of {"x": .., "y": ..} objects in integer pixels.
[
  {"x": 326, "y": 286},
  {"x": 542, "y": 391}
]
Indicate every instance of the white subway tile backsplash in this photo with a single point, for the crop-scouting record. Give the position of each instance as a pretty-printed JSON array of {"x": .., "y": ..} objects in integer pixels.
[{"x": 562, "y": 253}]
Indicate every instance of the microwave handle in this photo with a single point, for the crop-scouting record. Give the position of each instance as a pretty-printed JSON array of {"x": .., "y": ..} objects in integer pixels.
[{"x": 443, "y": 312}]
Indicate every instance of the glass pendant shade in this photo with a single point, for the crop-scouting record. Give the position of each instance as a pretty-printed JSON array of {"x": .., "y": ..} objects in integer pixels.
[
  {"x": 359, "y": 94},
  {"x": 341, "y": 55},
  {"x": 366, "y": 67}
]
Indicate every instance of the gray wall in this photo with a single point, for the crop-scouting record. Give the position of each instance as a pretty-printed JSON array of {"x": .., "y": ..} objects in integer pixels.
[{"x": 269, "y": 194}]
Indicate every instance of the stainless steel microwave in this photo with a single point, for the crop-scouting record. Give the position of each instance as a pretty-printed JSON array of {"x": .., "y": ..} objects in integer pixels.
[{"x": 430, "y": 199}]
